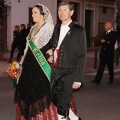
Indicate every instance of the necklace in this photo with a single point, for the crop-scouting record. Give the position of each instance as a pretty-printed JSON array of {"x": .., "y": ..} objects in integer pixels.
[{"x": 36, "y": 31}]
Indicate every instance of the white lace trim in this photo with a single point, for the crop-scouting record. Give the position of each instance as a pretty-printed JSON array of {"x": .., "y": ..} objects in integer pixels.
[
  {"x": 44, "y": 35},
  {"x": 47, "y": 14},
  {"x": 41, "y": 38}
]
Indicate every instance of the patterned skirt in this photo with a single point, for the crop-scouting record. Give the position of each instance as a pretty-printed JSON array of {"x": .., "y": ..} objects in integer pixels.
[{"x": 49, "y": 113}]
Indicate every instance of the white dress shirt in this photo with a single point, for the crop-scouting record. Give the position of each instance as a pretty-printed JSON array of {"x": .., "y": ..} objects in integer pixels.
[
  {"x": 108, "y": 31},
  {"x": 63, "y": 31}
]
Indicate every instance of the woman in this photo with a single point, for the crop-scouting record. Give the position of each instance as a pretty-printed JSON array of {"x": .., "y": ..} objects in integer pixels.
[
  {"x": 16, "y": 43},
  {"x": 32, "y": 95},
  {"x": 23, "y": 37}
]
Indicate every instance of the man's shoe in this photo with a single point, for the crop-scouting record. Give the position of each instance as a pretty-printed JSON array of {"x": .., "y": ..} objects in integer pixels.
[
  {"x": 61, "y": 117},
  {"x": 95, "y": 82},
  {"x": 79, "y": 118}
]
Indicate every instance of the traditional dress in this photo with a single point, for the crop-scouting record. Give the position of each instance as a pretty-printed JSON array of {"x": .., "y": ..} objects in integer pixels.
[
  {"x": 32, "y": 91},
  {"x": 32, "y": 94}
]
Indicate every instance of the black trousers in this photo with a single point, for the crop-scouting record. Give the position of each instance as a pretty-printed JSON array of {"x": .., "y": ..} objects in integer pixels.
[
  {"x": 14, "y": 46},
  {"x": 109, "y": 61},
  {"x": 61, "y": 89}
]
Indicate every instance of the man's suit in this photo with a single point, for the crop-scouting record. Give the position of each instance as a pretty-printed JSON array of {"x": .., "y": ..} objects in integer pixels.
[
  {"x": 70, "y": 67},
  {"x": 107, "y": 56}
]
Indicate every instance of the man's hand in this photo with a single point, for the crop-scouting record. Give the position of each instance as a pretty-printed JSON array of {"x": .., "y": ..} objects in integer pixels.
[
  {"x": 50, "y": 53},
  {"x": 76, "y": 85},
  {"x": 102, "y": 41}
]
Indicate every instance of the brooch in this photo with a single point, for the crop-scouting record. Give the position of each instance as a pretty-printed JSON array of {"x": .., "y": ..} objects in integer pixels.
[{"x": 69, "y": 33}]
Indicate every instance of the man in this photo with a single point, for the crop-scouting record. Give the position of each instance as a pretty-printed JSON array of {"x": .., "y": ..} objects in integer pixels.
[
  {"x": 106, "y": 53},
  {"x": 69, "y": 49}
]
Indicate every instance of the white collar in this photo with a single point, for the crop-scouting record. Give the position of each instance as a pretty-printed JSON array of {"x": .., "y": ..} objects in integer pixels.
[
  {"x": 108, "y": 31},
  {"x": 66, "y": 24}
]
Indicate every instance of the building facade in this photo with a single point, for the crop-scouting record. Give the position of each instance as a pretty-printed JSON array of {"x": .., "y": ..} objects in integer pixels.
[{"x": 91, "y": 14}]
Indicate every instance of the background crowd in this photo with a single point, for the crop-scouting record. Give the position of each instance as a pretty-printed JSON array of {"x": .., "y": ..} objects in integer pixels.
[{"x": 19, "y": 40}]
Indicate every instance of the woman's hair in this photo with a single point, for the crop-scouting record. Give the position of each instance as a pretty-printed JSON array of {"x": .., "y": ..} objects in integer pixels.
[
  {"x": 71, "y": 6},
  {"x": 17, "y": 28},
  {"x": 23, "y": 25},
  {"x": 40, "y": 9}
]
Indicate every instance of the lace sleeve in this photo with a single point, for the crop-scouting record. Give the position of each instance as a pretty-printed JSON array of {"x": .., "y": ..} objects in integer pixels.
[{"x": 25, "y": 51}]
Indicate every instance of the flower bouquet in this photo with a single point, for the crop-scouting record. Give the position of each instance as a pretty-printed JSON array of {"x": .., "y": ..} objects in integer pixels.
[{"x": 14, "y": 71}]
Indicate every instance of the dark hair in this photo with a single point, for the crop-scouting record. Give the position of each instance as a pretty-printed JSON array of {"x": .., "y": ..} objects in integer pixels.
[
  {"x": 23, "y": 25},
  {"x": 40, "y": 9},
  {"x": 71, "y": 6},
  {"x": 17, "y": 28}
]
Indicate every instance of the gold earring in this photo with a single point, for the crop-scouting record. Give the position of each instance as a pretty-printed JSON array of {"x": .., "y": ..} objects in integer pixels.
[{"x": 41, "y": 18}]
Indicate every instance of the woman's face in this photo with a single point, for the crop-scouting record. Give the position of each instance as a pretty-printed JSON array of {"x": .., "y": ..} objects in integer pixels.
[{"x": 36, "y": 15}]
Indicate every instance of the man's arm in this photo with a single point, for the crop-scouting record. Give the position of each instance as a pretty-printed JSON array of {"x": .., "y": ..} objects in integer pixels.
[
  {"x": 81, "y": 61},
  {"x": 50, "y": 51}
]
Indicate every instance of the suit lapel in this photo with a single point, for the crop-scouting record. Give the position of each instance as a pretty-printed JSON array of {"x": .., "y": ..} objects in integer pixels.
[{"x": 58, "y": 33}]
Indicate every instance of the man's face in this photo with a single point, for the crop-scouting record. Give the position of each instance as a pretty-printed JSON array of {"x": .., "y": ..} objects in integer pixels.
[
  {"x": 107, "y": 26},
  {"x": 64, "y": 13}
]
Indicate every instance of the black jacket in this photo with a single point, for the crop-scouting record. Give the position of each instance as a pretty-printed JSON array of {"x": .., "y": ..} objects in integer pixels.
[
  {"x": 107, "y": 48},
  {"x": 72, "y": 51},
  {"x": 16, "y": 38}
]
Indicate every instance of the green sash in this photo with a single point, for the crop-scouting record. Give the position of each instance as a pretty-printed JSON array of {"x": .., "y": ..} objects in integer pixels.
[{"x": 40, "y": 59}]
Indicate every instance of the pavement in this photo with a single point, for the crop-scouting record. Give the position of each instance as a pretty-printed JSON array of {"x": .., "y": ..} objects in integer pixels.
[{"x": 93, "y": 102}]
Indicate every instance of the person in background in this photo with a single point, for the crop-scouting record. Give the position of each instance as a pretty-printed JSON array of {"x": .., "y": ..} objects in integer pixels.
[
  {"x": 68, "y": 56},
  {"x": 29, "y": 25},
  {"x": 16, "y": 44},
  {"x": 106, "y": 54},
  {"x": 23, "y": 37}
]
